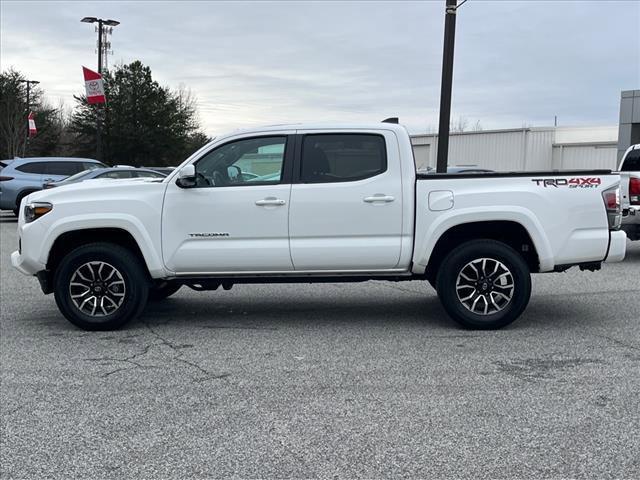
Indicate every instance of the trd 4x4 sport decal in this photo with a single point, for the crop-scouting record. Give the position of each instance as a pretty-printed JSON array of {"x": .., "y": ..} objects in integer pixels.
[{"x": 578, "y": 182}]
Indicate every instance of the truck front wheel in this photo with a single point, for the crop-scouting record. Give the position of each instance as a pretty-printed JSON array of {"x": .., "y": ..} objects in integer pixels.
[
  {"x": 484, "y": 284},
  {"x": 101, "y": 286}
]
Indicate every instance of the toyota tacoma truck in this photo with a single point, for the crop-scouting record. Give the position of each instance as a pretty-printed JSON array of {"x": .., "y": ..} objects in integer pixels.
[
  {"x": 311, "y": 203},
  {"x": 630, "y": 167}
]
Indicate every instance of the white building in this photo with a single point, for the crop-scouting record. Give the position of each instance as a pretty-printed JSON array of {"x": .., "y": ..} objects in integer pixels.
[{"x": 544, "y": 148}]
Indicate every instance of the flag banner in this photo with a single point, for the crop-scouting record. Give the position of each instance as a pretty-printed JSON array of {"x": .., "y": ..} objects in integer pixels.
[
  {"x": 32, "y": 125},
  {"x": 94, "y": 85}
]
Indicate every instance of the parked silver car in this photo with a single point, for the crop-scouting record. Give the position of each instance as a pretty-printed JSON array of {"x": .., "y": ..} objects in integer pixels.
[
  {"x": 22, "y": 176},
  {"x": 114, "y": 173}
]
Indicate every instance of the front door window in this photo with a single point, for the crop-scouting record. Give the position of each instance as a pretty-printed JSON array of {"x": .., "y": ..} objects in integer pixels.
[{"x": 252, "y": 161}]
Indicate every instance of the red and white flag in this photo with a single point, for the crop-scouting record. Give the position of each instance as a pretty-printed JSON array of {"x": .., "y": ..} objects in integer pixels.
[
  {"x": 94, "y": 86},
  {"x": 32, "y": 124}
]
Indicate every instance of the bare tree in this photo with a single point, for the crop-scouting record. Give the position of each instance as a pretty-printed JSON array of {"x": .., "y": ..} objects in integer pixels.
[
  {"x": 50, "y": 120},
  {"x": 460, "y": 124},
  {"x": 13, "y": 113}
]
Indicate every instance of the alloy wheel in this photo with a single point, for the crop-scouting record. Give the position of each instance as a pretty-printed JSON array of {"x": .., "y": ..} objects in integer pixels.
[
  {"x": 97, "y": 288},
  {"x": 485, "y": 286}
]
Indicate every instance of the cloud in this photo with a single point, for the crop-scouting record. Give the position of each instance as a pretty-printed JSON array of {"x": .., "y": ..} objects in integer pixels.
[{"x": 251, "y": 63}]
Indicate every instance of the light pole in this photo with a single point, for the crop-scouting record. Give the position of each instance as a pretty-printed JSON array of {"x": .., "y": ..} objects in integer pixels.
[
  {"x": 447, "y": 83},
  {"x": 101, "y": 23},
  {"x": 28, "y": 84}
]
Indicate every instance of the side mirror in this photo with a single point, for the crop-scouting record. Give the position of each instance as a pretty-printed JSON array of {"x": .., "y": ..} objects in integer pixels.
[
  {"x": 234, "y": 172},
  {"x": 187, "y": 176}
]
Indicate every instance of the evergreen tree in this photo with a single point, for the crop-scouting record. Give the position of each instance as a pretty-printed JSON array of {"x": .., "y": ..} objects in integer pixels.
[{"x": 144, "y": 123}]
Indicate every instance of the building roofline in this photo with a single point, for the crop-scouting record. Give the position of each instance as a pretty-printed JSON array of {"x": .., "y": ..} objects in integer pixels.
[{"x": 515, "y": 130}]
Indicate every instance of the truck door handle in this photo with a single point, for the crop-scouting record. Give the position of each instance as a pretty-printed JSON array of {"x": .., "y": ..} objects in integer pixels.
[
  {"x": 379, "y": 197},
  {"x": 270, "y": 201}
]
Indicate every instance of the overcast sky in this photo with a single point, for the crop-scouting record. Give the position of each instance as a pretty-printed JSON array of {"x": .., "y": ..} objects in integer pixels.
[{"x": 253, "y": 63}]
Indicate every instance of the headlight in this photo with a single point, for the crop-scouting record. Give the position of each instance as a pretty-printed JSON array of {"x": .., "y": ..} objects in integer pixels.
[{"x": 34, "y": 210}]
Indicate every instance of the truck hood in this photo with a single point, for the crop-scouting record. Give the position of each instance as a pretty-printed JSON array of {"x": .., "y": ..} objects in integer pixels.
[{"x": 96, "y": 189}]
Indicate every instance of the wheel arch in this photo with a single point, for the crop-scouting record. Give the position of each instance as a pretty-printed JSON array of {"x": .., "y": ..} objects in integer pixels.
[
  {"x": 70, "y": 234},
  {"x": 509, "y": 232},
  {"x": 70, "y": 240}
]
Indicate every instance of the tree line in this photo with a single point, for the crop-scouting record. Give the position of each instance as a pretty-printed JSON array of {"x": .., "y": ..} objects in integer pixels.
[{"x": 143, "y": 122}]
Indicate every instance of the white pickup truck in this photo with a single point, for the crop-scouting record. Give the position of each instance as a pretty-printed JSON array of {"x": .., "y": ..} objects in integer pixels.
[
  {"x": 310, "y": 203},
  {"x": 630, "y": 167}
]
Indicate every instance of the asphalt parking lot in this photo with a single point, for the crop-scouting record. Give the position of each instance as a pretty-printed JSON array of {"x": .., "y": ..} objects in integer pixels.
[{"x": 349, "y": 380}]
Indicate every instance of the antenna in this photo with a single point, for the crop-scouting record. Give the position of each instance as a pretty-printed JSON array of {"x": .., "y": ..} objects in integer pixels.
[
  {"x": 106, "y": 44},
  {"x": 391, "y": 120}
]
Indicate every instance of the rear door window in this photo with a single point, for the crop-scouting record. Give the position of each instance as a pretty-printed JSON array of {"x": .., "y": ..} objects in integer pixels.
[
  {"x": 328, "y": 158},
  {"x": 64, "y": 168},
  {"x": 632, "y": 162},
  {"x": 33, "y": 167}
]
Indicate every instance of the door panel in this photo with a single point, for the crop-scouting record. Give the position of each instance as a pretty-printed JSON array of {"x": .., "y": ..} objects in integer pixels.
[
  {"x": 236, "y": 219},
  {"x": 222, "y": 229},
  {"x": 346, "y": 225}
]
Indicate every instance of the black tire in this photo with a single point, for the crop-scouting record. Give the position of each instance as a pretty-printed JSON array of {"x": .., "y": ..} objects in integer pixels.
[
  {"x": 162, "y": 291},
  {"x": 130, "y": 273},
  {"x": 455, "y": 270}
]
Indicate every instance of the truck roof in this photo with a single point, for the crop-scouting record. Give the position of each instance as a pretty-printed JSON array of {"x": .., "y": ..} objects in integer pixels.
[{"x": 319, "y": 126}]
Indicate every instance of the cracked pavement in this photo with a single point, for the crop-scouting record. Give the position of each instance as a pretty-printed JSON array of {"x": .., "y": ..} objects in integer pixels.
[{"x": 364, "y": 380}]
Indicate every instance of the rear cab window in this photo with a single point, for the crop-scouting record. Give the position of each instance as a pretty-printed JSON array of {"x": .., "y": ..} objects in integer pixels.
[{"x": 342, "y": 157}]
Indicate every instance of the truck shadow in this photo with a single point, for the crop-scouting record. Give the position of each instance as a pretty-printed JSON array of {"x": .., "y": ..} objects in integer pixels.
[
  {"x": 361, "y": 311},
  {"x": 633, "y": 252},
  {"x": 274, "y": 313}
]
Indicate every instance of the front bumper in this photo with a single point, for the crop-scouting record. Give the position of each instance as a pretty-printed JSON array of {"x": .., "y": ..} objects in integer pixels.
[
  {"x": 25, "y": 265},
  {"x": 617, "y": 247}
]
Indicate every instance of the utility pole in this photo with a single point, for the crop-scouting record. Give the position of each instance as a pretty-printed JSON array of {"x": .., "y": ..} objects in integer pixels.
[
  {"x": 28, "y": 109},
  {"x": 101, "y": 50},
  {"x": 98, "y": 109},
  {"x": 446, "y": 85}
]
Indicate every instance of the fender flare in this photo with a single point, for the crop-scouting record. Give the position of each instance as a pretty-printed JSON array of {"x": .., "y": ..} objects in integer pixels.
[
  {"x": 125, "y": 222},
  {"x": 519, "y": 215}
]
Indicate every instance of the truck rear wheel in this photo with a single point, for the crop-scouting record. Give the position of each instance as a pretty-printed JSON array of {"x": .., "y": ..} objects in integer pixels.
[
  {"x": 100, "y": 286},
  {"x": 484, "y": 284}
]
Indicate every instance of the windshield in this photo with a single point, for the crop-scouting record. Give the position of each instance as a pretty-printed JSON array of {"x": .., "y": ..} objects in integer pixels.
[{"x": 78, "y": 176}]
